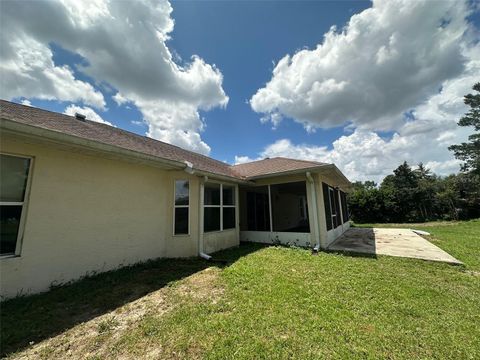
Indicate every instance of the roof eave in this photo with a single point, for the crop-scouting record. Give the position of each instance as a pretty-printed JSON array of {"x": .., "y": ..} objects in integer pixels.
[
  {"x": 288, "y": 172},
  {"x": 346, "y": 184},
  {"x": 57, "y": 137}
]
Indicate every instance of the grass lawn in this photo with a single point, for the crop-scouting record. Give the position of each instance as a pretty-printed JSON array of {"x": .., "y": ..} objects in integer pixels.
[{"x": 267, "y": 302}]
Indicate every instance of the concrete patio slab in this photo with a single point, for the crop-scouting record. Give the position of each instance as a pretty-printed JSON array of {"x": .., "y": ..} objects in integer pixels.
[{"x": 392, "y": 242}]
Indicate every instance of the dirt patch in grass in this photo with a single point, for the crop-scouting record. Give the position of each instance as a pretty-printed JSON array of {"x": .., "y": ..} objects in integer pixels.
[
  {"x": 101, "y": 336},
  {"x": 203, "y": 286}
]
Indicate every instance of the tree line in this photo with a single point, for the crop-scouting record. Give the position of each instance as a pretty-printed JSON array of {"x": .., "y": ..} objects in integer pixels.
[{"x": 417, "y": 195}]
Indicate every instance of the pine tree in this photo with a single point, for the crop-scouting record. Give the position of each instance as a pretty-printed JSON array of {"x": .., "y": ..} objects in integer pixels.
[{"x": 469, "y": 152}]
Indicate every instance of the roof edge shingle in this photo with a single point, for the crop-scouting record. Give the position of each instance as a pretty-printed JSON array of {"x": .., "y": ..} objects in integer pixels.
[{"x": 127, "y": 140}]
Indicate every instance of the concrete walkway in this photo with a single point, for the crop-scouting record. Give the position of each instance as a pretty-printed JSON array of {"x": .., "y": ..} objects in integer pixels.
[{"x": 393, "y": 242}]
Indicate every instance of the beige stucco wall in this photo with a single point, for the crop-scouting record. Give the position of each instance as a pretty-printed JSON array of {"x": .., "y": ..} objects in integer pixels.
[
  {"x": 219, "y": 240},
  {"x": 87, "y": 213}
]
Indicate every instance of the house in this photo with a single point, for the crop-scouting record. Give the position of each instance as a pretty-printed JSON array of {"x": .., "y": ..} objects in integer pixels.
[{"x": 79, "y": 197}]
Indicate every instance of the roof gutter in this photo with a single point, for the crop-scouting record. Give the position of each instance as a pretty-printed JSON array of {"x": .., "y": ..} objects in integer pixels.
[
  {"x": 59, "y": 138},
  {"x": 288, "y": 172},
  {"x": 222, "y": 177}
]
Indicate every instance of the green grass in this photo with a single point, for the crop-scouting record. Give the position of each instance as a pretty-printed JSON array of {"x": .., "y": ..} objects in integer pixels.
[{"x": 268, "y": 302}]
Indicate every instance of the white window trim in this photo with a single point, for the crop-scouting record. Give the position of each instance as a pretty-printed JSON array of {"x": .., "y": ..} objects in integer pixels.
[
  {"x": 333, "y": 216},
  {"x": 181, "y": 206},
  {"x": 24, "y": 204},
  {"x": 221, "y": 206},
  {"x": 234, "y": 193}
]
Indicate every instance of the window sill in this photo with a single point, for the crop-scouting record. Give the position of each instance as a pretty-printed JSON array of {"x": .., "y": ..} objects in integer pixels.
[
  {"x": 219, "y": 231},
  {"x": 8, "y": 256}
]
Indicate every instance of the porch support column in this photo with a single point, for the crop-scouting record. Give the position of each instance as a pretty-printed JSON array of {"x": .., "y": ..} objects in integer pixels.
[
  {"x": 313, "y": 197},
  {"x": 201, "y": 251},
  {"x": 270, "y": 208}
]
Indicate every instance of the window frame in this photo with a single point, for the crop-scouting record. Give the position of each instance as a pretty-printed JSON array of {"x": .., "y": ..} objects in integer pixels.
[
  {"x": 23, "y": 204},
  {"x": 333, "y": 207},
  {"x": 334, "y": 202},
  {"x": 221, "y": 206},
  {"x": 234, "y": 206},
  {"x": 175, "y": 206}
]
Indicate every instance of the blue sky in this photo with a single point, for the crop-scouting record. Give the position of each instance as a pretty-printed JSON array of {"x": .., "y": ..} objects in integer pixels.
[
  {"x": 386, "y": 88},
  {"x": 244, "y": 39}
]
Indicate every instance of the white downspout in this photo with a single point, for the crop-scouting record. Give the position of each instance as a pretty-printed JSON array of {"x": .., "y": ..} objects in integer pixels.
[
  {"x": 314, "y": 209},
  {"x": 201, "y": 252}
]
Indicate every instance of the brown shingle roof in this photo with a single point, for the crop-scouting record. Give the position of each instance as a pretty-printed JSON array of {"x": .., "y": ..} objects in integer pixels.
[
  {"x": 105, "y": 134},
  {"x": 110, "y": 135},
  {"x": 273, "y": 166}
]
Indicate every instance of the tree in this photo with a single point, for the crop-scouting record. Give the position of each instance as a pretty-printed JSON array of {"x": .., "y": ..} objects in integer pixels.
[
  {"x": 400, "y": 193},
  {"x": 469, "y": 152},
  {"x": 365, "y": 202},
  {"x": 414, "y": 195},
  {"x": 425, "y": 191}
]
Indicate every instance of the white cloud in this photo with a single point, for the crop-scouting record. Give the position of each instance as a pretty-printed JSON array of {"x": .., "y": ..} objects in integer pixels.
[
  {"x": 365, "y": 155},
  {"x": 26, "y": 102},
  {"x": 124, "y": 44},
  {"x": 27, "y": 70},
  {"x": 385, "y": 61},
  {"x": 87, "y": 111},
  {"x": 242, "y": 159},
  {"x": 119, "y": 99},
  {"x": 389, "y": 60}
]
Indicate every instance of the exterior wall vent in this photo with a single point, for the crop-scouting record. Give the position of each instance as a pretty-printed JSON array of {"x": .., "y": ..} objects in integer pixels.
[{"x": 80, "y": 117}]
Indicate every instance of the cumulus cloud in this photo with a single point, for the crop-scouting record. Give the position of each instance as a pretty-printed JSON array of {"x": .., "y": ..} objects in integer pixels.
[
  {"x": 400, "y": 66},
  {"x": 124, "y": 44},
  {"x": 365, "y": 155},
  {"x": 89, "y": 113},
  {"x": 385, "y": 61},
  {"x": 27, "y": 70}
]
